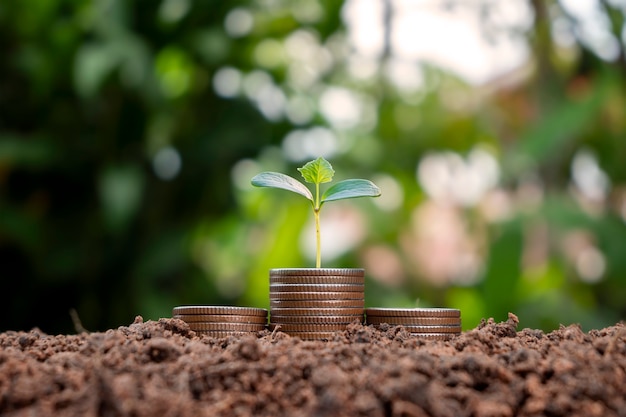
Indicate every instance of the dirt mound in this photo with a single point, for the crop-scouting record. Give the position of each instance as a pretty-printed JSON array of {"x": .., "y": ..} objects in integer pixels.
[{"x": 164, "y": 369}]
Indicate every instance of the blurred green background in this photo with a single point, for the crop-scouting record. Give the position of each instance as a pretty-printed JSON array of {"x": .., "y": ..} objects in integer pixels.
[{"x": 129, "y": 131}]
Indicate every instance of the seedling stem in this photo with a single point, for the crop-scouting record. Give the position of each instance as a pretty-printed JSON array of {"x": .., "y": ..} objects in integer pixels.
[{"x": 317, "y": 171}]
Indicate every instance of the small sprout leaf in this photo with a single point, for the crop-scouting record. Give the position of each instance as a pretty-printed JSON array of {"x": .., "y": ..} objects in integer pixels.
[
  {"x": 318, "y": 171},
  {"x": 282, "y": 181},
  {"x": 351, "y": 189}
]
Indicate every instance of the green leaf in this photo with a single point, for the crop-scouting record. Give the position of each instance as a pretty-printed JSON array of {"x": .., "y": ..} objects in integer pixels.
[
  {"x": 278, "y": 180},
  {"x": 317, "y": 171},
  {"x": 351, "y": 189}
]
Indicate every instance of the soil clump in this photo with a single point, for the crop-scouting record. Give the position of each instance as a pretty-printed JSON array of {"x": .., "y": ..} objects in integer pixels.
[{"x": 162, "y": 368}]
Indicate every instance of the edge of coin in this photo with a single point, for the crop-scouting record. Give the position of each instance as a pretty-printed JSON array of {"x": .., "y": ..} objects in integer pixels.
[
  {"x": 213, "y": 326},
  {"x": 317, "y": 271},
  {"x": 217, "y": 334},
  {"x": 413, "y": 321},
  {"x": 435, "y": 336},
  {"x": 427, "y": 329},
  {"x": 316, "y": 295},
  {"x": 277, "y": 319},
  {"x": 276, "y": 287},
  {"x": 312, "y": 311},
  {"x": 220, "y": 318},
  {"x": 217, "y": 310},
  {"x": 319, "y": 279},
  {"x": 412, "y": 312}
]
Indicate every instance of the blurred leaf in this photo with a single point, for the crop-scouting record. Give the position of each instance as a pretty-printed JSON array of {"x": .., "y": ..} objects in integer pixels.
[
  {"x": 27, "y": 152},
  {"x": 550, "y": 309},
  {"x": 175, "y": 71},
  {"x": 18, "y": 226},
  {"x": 503, "y": 271},
  {"x": 278, "y": 247},
  {"x": 554, "y": 131},
  {"x": 471, "y": 303},
  {"x": 213, "y": 45},
  {"x": 121, "y": 189},
  {"x": 162, "y": 256},
  {"x": 95, "y": 62}
]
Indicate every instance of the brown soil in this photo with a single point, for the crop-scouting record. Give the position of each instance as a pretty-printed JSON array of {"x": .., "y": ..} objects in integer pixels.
[{"x": 164, "y": 369}]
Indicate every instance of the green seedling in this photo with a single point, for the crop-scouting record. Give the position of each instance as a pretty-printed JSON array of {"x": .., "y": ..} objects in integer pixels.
[{"x": 317, "y": 172}]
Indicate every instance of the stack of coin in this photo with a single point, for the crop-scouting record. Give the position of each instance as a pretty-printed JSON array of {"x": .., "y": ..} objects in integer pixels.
[
  {"x": 426, "y": 323},
  {"x": 222, "y": 321},
  {"x": 313, "y": 303}
]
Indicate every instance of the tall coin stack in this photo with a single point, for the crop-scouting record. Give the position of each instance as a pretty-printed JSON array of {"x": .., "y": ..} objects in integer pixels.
[
  {"x": 313, "y": 304},
  {"x": 222, "y": 321},
  {"x": 426, "y": 323}
]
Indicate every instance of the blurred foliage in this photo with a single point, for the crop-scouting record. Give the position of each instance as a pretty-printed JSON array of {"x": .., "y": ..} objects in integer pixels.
[{"x": 129, "y": 131}]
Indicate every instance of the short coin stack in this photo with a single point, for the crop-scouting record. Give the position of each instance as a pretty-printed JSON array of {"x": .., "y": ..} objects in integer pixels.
[
  {"x": 313, "y": 306},
  {"x": 222, "y": 321},
  {"x": 426, "y": 323}
]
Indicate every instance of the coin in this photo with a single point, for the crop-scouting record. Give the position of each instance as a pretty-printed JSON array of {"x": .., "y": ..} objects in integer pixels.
[
  {"x": 434, "y": 336},
  {"x": 317, "y": 288},
  {"x": 423, "y": 321},
  {"x": 322, "y": 279},
  {"x": 239, "y": 327},
  {"x": 432, "y": 329},
  {"x": 314, "y": 295},
  {"x": 317, "y": 303},
  {"x": 227, "y": 310},
  {"x": 277, "y": 319},
  {"x": 305, "y": 272},
  {"x": 303, "y": 327},
  {"x": 413, "y": 312},
  {"x": 221, "y": 318},
  {"x": 222, "y": 334},
  {"x": 279, "y": 311}
]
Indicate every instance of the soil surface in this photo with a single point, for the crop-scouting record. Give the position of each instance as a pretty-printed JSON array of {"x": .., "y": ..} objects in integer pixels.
[{"x": 161, "y": 368}]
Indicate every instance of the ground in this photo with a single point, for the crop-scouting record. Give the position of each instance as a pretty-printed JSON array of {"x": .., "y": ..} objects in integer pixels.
[{"x": 161, "y": 368}]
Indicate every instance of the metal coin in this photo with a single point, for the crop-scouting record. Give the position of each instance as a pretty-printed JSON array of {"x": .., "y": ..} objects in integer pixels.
[
  {"x": 434, "y": 336},
  {"x": 317, "y": 303},
  {"x": 313, "y": 335},
  {"x": 417, "y": 321},
  {"x": 220, "y": 318},
  {"x": 301, "y": 327},
  {"x": 412, "y": 312},
  {"x": 317, "y": 288},
  {"x": 279, "y": 311},
  {"x": 306, "y": 272},
  {"x": 431, "y": 329},
  {"x": 227, "y": 310},
  {"x": 237, "y": 327},
  {"x": 314, "y": 295},
  {"x": 276, "y": 319},
  {"x": 322, "y": 279},
  {"x": 222, "y": 334}
]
